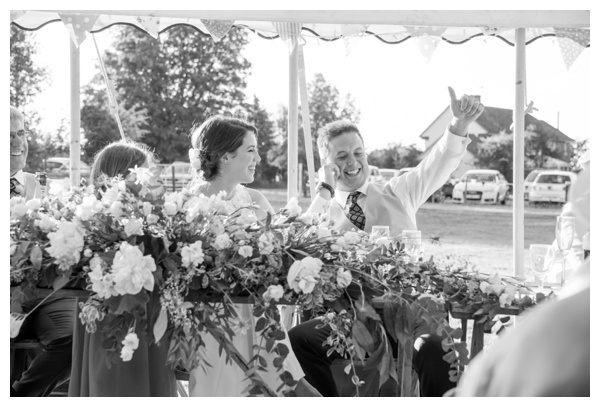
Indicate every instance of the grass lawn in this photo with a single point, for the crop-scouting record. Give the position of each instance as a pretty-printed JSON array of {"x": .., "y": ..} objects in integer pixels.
[{"x": 480, "y": 233}]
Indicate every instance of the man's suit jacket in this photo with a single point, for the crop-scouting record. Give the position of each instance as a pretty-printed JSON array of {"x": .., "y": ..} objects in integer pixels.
[{"x": 396, "y": 202}]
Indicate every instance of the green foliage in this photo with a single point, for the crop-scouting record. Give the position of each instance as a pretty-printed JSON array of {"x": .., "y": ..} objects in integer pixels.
[
  {"x": 496, "y": 153},
  {"x": 170, "y": 83},
  {"x": 395, "y": 156},
  {"x": 26, "y": 79}
]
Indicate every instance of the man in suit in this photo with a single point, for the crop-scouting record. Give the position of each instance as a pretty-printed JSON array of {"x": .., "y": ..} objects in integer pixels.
[
  {"x": 352, "y": 202},
  {"x": 52, "y": 323}
]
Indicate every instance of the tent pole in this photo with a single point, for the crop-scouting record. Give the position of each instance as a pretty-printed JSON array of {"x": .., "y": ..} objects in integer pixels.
[
  {"x": 519, "y": 157},
  {"x": 292, "y": 176},
  {"x": 75, "y": 147}
]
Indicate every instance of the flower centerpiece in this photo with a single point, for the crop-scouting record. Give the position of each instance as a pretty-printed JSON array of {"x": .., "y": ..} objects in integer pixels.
[{"x": 172, "y": 266}]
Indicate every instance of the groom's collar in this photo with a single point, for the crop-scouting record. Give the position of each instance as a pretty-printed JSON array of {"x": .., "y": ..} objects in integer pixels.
[{"x": 342, "y": 196}]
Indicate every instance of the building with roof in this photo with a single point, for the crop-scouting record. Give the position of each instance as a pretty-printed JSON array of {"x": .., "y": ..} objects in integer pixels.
[{"x": 496, "y": 121}]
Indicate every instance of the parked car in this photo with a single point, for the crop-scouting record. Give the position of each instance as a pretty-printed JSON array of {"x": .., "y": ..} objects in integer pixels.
[
  {"x": 529, "y": 180},
  {"x": 176, "y": 175},
  {"x": 388, "y": 173},
  {"x": 551, "y": 186},
  {"x": 374, "y": 175},
  {"x": 59, "y": 168},
  {"x": 481, "y": 185}
]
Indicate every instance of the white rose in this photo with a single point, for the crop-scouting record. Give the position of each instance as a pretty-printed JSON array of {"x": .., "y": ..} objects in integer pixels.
[
  {"x": 293, "y": 208},
  {"x": 222, "y": 241},
  {"x": 307, "y": 218},
  {"x": 66, "y": 244},
  {"x": 245, "y": 251},
  {"x": 351, "y": 238},
  {"x": 147, "y": 208},
  {"x": 192, "y": 254},
  {"x": 274, "y": 292},
  {"x": 246, "y": 217},
  {"x": 116, "y": 209},
  {"x": 89, "y": 207},
  {"x": 133, "y": 226},
  {"x": 46, "y": 223},
  {"x": 170, "y": 208},
  {"x": 265, "y": 245},
  {"x": 304, "y": 274},
  {"x": 344, "y": 277},
  {"x": 132, "y": 270},
  {"x": 33, "y": 204},
  {"x": 323, "y": 232},
  {"x": 152, "y": 218},
  {"x": 18, "y": 207}
]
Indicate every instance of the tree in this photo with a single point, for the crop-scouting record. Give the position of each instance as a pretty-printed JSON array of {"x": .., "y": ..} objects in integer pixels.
[
  {"x": 496, "y": 152},
  {"x": 26, "y": 79},
  {"x": 170, "y": 83},
  {"x": 540, "y": 144},
  {"x": 257, "y": 115},
  {"x": 395, "y": 156},
  {"x": 324, "y": 106}
]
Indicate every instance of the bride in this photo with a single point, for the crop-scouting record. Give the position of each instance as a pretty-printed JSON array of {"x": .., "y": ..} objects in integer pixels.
[{"x": 225, "y": 155}]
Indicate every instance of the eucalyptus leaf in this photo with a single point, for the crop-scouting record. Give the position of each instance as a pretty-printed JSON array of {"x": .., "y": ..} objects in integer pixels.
[
  {"x": 160, "y": 326},
  {"x": 36, "y": 257}
]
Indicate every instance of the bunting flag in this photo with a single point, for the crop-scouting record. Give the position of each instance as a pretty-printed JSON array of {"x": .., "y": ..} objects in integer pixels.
[
  {"x": 218, "y": 28},
  {"x": 149, "y": 23},
  {"x": 572, "y": 42},
  {"x": 14, "y": 14},
  {"x": 289, "y": 33},
  {"x": 351, "y": 30},
  {"x": 426, "y": 39},
  {"x": 78, "y": 25}
]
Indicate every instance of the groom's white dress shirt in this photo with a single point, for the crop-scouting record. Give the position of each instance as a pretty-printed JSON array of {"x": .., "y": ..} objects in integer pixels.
[{"x": 396, "y": 202}]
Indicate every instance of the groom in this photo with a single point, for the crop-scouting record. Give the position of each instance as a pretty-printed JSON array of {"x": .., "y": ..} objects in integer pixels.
[{"x": 352, "y": 202}]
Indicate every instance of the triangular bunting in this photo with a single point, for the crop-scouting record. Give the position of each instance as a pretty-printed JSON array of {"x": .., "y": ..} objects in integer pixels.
[
  {"x": 78, "y": 25},
  {"x": 580, "y": 36},
  {"x": 218, "y": 28},
  {"x": 426, "y": 46},
  {"x": 570, "y": 51},
  {"x": 289, "y": 33},
  {"x": 14, "y": 14},
  {"x": 149, "y": 23},
  {"x": 349, "y": 30}
]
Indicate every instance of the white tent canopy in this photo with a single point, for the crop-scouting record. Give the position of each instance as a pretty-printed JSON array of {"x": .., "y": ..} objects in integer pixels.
[{"x": 515, "y": 27}]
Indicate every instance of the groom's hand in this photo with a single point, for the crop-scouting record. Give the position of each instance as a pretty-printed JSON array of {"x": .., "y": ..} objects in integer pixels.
[
  {"x": 329, "y": 173},
  {"x": 464, "y": 111}
]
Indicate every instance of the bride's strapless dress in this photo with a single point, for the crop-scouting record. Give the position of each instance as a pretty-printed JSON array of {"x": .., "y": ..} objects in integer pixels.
[{"x": 227, "y": 379}]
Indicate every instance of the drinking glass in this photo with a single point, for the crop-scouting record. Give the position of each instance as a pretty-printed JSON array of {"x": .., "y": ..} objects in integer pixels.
[
  {"x": 378, "y": 232},
  {"x": 412, "y": 244},
  {"x": 565, "y": 232},
  {"x": 542, "y": 260}
]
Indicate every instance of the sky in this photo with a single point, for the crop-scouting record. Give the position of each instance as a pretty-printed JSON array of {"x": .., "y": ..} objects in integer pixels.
[{"x": 397, "y": 91}]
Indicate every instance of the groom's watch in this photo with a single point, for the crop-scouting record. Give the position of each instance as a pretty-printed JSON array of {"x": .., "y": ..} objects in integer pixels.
[{"x": 328, "y": 187}]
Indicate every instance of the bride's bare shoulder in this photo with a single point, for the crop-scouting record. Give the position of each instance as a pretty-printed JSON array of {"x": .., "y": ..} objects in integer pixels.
[{"x": 259, "y": 199}]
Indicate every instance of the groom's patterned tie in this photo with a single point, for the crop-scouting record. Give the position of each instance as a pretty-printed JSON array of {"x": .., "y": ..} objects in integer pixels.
[
  {"x": 16, "y": 189},
  {"x": 356, "y": 214}
]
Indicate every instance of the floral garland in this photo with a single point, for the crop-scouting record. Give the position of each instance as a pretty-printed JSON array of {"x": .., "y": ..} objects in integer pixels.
[{"x": 169, "y": 266}]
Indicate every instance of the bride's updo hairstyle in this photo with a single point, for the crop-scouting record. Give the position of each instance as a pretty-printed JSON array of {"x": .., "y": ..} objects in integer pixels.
[
  {"x": 216, "y": 137},
  {"x": 117, "y": 158}
]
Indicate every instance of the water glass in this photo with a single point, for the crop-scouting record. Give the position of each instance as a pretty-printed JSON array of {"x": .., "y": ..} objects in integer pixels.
[
  {"x": 565, "y": 233},
  {"x": 412, "y": 244},
  {"x": 378, "y": 232},
  {"x": 542, "y": 260}
]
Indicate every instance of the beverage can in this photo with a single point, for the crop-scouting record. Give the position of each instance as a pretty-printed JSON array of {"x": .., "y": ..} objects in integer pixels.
[{"x": 42, "y": 178}]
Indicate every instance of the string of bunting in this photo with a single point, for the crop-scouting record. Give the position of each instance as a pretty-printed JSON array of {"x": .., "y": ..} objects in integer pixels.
[{"x": 572, "y": 42}]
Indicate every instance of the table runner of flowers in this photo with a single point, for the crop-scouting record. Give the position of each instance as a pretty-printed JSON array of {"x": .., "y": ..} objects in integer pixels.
[{"x": 173, "y": 265}]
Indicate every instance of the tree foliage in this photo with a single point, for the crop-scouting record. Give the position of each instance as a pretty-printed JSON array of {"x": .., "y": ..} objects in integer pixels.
[
  {"x": 496, "y": 153},
  {"x": 395, "y": 156},
  {"x": 324, "y": 105},
  {"x": 167, "y": 85}
]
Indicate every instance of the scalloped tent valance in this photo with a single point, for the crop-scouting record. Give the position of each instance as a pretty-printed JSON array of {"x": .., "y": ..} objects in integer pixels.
[{"x": 395, "y": 26}]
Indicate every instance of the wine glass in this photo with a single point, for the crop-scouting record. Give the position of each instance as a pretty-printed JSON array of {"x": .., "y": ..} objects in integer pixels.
[
  {"x": 378, "y": 232},
  {"x": 412, "y": 244},
  {"x": 542, "y": 260},
  {"x": 565, "y": 232}
]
